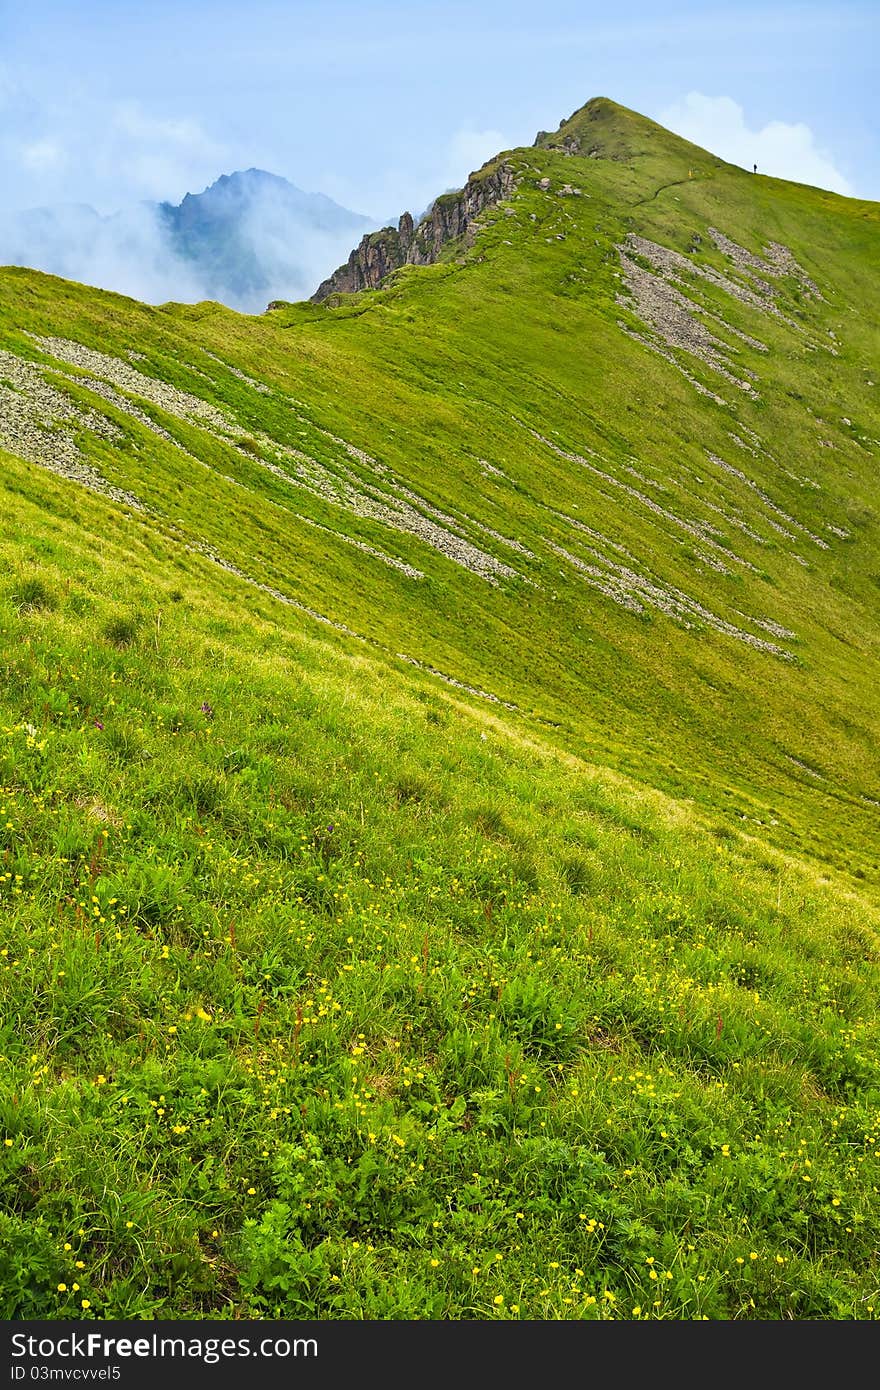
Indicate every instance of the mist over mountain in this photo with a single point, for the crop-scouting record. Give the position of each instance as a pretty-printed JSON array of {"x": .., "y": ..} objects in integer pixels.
[
  {"x": 248, "y": 238},
  {"x": 252, "y": 236}
]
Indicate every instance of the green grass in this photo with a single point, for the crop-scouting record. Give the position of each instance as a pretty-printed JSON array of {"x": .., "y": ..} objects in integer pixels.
[{"x": 330, "y": 989}]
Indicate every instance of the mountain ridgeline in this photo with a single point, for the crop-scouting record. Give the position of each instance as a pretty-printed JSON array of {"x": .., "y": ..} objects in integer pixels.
[
  {"x": 449, "y": 218},
  {"x": 453, "y": 216},
  {"x": 440, "y": 774}
]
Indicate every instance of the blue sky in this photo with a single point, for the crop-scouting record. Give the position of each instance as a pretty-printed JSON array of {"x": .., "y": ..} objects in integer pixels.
[{"x": 384, "y": 105}]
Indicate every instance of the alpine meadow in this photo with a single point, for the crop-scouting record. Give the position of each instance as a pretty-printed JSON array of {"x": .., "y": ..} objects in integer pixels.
[{"x": 439, "y": 778}]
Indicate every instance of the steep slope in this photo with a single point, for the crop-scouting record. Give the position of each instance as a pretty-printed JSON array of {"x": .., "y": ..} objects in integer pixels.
[
  {"x": 441, "y": 734},
  {"x": 615, "y": 466}
]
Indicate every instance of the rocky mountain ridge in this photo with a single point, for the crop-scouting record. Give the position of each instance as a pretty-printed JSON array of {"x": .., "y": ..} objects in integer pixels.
[{"x": 450, "y": 217}]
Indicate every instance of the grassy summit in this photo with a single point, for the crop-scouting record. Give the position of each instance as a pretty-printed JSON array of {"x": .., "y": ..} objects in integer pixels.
[{"x": 439, "y": 778}]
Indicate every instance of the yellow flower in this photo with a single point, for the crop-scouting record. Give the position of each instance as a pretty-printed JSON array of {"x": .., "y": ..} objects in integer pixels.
[
  {"x": 498, "y": 1299},
  {"x": 8, "y": 1143},
  {"x": 637, "y": 1310},
  {"x": 434, "y": 1264},
  {"x": 62, "y": 1288},
  {"x": 85, "y": 1303},
  {"x": 252, "y": 1192}
]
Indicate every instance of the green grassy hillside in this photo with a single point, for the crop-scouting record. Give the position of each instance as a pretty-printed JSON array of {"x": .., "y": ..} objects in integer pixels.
[{"x": 439, "y": 773}]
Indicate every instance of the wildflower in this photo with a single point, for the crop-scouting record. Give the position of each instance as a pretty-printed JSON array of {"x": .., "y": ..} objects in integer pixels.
[
  {"x": 98, "y": 724},
  {"x": 637, "y": 1310},
  {"x": 207, "y": 709},
  {"x": 498, "y": 1300},
  {"x": 434, "y": 1264},
  {"x": 85, "y": 1303},
  {"x": 62, "y": 1288},
  {"x": 8, "y": 1143}
]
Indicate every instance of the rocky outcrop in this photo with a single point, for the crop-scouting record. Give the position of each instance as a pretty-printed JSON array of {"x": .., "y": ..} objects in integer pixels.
[{"x": 450, "y": 218}]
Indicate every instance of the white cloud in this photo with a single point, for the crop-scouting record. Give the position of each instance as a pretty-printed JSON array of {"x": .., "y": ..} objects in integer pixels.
[
  {"x": 162, "y": 157},
  {"x": 41, "y": 156},
  {"x": 778, "y": 148},
  {"x": 132, "y": 120}
]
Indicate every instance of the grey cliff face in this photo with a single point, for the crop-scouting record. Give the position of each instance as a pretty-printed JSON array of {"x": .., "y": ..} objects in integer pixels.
[{"x": 450, "y": 218}]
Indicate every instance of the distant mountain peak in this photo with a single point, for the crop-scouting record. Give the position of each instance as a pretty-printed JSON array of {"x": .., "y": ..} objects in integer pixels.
[{"x": 243, "y": 185}]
